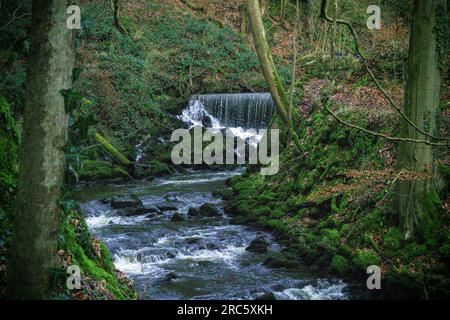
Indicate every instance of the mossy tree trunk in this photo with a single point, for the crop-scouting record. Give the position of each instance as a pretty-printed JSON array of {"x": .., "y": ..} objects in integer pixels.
[
  {"x": 116, "y": 21},
  {"x": 414, "y": 198},
  {"x": 38, "y": 214},
  {"x": 114, "y": 153},
  {"x": 283, "y": 4},
  {"x": 274, "y": 83},
  {"x": 266, "y": 61},
  {"x": 306, "y": 10}
]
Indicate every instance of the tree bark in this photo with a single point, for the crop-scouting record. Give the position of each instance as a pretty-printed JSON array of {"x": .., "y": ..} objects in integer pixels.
[
  {"x": 265, "y": 58},
  {"x": 282, "y": 10},
  {"x": 276, "y": 89},
  {"x": 414, "y": 198},
  {"x": 38, "y": 214},
  {"x": 116, "y": 22}
]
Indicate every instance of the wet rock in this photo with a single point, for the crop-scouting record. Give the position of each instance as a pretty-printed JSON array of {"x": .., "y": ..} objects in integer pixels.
[
  {"x": 128, "y": 201},
  {"x": 209, "y": 210},
  {"x": 177, "y": 217},
  {"x": 240, "y": 220},
  {"x": 212, "y": 246},
  {"x": 167, "y": 278},
  {"x": 193, "y": 240},
  {"x": 141, "y": 210},
  {"x": 207, "y": 121},
  {"x": 167, "y": 206},
  {"x": 258, "y": 245},
  {"x": 104, "y": 201},
  {"x": 193, "y": 212},
  {"x": 269, "y": 296},
  {"x": 152, "y": 216},
  {"x": 171, "y": 196},
  {"x": 278, "y": 261}
]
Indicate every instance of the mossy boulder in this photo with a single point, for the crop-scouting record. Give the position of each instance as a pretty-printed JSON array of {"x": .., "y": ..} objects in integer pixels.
[
  {"x": 77, "y": 247},
  {"x": 258, "y": 245},
  {"x": 126, "y": 201},
  {"x": 158, "y": 169},
  {"x": 193, "y": 212},
  {"x": 340, "y": 264},
  {"x": 264, "y": 211},
  {"x": 393, "y": 239},
  {"x": 93, "y": 170},
  {"x": 281, "y": 261},
  {"x": 177, "y": 217},
  {"x": 209, "y": 210},
  {"x": 366, "y": 258},
  {"x": 331, "y": 234}
]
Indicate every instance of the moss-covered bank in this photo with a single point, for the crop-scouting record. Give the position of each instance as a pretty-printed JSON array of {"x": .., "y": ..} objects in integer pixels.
[{"x": 330, "y": 207}]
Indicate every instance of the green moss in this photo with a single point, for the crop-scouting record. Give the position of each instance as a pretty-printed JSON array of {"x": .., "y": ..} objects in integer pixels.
[
  {"x": 331, "y": 234},
  {"x": 159, "y": 169},
  {"x": 340, "y": 264},
  {"x": 366, "y": 258},
  {"x": 98, "y": 170},
  {"x": 277, "y": 214},
  {"x": 76, "y": 241},
  {"x": 9, "y": 168},
  {"x": 345, "y": 229},
  {"x": 266, "y": 197},
  {"x": 264, "y": 211},
  {"x": 393, "y": 239}
]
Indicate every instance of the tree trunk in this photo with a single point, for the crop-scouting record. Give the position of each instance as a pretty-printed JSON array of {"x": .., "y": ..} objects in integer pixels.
[
  {"x": 306, "y": 10},
  {"x": 263, "y": 4},
  {"x": 114, "y": 153},
  {"x": 38, "y": 214},
  {"x": 282, "y": 10},
  {"x": 414, "y": 198},
  {"x": 270, "y": 73},
  {"x": 117, "y": 24},
  {"x": 243, "y": 14},
  {"x": 266, "y": 60}
]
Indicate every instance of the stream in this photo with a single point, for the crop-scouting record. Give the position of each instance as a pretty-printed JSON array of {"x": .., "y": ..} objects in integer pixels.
[
  {"x": 202, "y": 258},
  {"x": 198, "y": 257}
]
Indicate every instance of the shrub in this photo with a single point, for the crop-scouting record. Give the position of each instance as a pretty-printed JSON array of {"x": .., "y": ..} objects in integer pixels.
[
  {"x": 366, "y": 258},
  {"x": 339, "y": 264}
]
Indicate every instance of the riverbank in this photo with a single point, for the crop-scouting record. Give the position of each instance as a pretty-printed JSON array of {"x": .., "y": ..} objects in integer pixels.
[
  {"x": 186, "y": 248},
  {"x": 330, "y": 206}
]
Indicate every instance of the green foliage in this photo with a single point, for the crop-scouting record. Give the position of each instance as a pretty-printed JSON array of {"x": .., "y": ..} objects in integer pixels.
[
  {"x": 331, "y": 234},
  {"x": 442, "y": 34},
  {"x": 134, "y": 81},
  {"x": 393, "y": 239},
  {"x": 366, "y": 258},
  {"x": 340, "y": 264},
  {"x": 92, "y": 170},
  {"x": 9, "y": 143},
  {"x": 92, "y": 257}
]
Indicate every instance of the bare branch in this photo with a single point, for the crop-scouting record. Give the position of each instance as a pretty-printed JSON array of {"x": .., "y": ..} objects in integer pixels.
[
  {"x": 323, "y": 102},
  {"x": 324, "y": 16},
  {"x": 15, "y": 18}
]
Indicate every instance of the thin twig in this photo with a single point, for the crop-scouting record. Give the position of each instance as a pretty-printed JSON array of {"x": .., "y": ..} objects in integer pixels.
[
  {"x": 381, "y": 135},
  {"x": 14, "y": 18},
  {"x": 366, "y": 64}
]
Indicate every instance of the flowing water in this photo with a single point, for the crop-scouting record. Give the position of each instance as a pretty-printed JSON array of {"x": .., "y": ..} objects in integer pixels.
[{"x": 201, "y": 258}]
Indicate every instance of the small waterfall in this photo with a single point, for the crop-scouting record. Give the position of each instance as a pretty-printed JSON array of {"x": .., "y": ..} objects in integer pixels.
[
  {"x": 240, "y": 110},
  {"x": 246, "y": 110}
]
